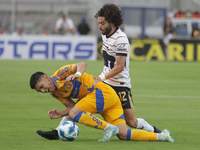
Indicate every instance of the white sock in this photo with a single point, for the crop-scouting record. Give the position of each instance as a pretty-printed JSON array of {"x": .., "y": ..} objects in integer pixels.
[
  {"x": 66, "y": 118},
  {"x": 158, "y": 136},
  {"x": 106, "y": 126},
  {"x": 142, "y": 124}
]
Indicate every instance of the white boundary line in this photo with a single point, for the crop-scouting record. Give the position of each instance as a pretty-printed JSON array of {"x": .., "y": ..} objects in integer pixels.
[{"x": 166, "y": 96}]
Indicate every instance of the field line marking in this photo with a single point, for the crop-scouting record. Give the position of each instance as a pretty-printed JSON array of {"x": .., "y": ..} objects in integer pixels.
[{"x": 166, "y": 96}]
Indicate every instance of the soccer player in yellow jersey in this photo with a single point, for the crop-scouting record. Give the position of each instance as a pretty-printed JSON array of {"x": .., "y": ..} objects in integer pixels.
[{"x": 71, "y": 81}]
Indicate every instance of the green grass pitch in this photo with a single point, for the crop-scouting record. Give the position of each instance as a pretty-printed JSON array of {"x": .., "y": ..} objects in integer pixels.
[{"x": 166, "y": 94}]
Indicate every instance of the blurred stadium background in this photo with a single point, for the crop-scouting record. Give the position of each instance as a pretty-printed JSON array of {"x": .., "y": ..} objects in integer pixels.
[
  {"x": 142, "y": 18},
  {"x": 166, "y": 94},
  {"x": 35, "y": 15}
]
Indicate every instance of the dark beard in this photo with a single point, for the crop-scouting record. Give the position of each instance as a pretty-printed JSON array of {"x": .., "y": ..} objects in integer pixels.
[{"x": 107, "y": 30}]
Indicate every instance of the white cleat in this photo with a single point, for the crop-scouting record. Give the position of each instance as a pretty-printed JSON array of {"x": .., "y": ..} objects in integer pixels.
[
  {"x": 165, "y": 136},
  {"x": 109, "y": 132}
]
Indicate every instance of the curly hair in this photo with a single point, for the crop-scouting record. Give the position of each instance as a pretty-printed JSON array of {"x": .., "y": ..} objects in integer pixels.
[{"x": 112, "y": 14}]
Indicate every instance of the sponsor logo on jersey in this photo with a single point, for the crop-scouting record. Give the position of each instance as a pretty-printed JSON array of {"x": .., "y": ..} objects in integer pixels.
[
  {"x": 99, "y": 122},
  {"x": 122, "y": 47}
]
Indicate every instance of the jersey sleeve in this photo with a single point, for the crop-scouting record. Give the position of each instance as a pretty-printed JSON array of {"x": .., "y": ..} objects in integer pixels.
[
  {"x": 122, "y": 46},
  {"x": 65, "y": 71}
]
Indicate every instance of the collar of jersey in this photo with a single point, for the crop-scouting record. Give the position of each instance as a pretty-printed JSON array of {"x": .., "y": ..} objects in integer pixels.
[
  {"x": 54, "y": 79},
  {"x": 112, "y": 33}
]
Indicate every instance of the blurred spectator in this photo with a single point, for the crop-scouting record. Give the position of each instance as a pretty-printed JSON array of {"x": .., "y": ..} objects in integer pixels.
[
  {"x": 169, "y": 32},
  {"x": 46, "y": 32},
  {"x": 196, "y": 34},
  {"x": 195, "y": 31},
  {"x": 19, "y": 32},
  {"x": 64, "y": 25},
  {"x": 196, "y": 14},
  {"x": 83, "y": 28},
  {"x": 2, "y": 31},
  {"x": 179, "y": 14}
]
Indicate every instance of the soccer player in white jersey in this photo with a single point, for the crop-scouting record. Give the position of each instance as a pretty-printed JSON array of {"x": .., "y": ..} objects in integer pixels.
[{"x": 116, "y": 62}]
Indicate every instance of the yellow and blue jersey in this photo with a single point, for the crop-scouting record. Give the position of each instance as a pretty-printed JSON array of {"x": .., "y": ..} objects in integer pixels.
[
  {"x": 100, "y": 99},
  {"x": 73, "y": 89}
]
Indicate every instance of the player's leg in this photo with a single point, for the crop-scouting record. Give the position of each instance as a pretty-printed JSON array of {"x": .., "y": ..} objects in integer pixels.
[
  {"x": 142, "y": 135},
  {"x": 88, "y": 119},
  {"x": 112, "y": 114},
  {"x": 102, "y": 98},
  {"x": 95, "y": 102},
  {"x": 131, "y": 121},
  {"x": 115, "y": 116},
  {"x": 128, "y": 107},
  {"x": 65, "y": 118},
  {"x": 138, "y": 123}
]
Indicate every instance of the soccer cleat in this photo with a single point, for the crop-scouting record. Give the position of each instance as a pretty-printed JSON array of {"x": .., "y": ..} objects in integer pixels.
[
  {"x": 165, "y": 136},
  {"x": 156, "y": 130},
  {"x": 109, "y": 132},
  {"x": 51, "y": 135}
]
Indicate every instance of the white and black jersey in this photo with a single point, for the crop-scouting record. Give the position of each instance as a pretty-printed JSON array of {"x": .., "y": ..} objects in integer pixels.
[{"x": 116, "y": 44}]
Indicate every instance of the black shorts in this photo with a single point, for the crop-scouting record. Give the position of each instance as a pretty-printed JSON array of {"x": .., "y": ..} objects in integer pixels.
[{"x": 125, "y": 96}]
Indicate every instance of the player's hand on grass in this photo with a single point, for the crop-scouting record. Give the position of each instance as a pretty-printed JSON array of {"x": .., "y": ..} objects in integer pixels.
[{"x": 54, "y": 114}]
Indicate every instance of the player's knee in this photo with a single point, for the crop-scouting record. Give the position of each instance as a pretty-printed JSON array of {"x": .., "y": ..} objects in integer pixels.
[
  {"x": 132, "y": 123},
  {"x": 72, "y": 114}
]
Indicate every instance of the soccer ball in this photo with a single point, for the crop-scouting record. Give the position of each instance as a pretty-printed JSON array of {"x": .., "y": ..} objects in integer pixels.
[{"x": 68, "y": 131}]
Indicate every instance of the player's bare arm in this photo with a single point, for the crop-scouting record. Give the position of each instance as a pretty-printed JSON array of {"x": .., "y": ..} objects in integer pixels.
[
  {"x": 79, "y": 68},
  {"x": 119, "y": 67},
  {"x": 55, "y": 113}
]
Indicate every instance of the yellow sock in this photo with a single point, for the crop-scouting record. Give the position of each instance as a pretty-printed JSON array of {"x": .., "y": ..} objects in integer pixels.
[
  {"x": 141, "y": 135},
  {"x": 89, "y": 119}
]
